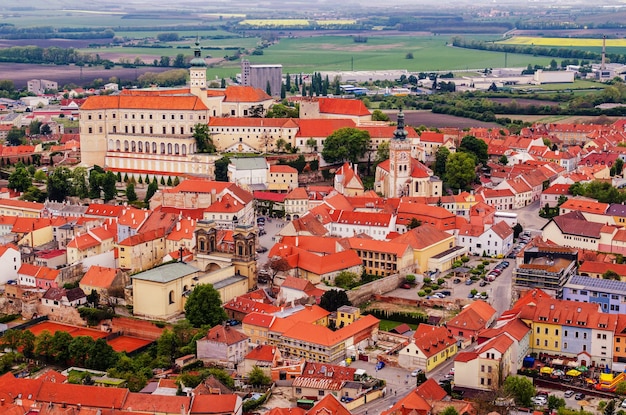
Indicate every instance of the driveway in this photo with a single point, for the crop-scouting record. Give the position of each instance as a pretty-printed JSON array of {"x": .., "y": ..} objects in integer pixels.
[{"x": 529, "y": 217}]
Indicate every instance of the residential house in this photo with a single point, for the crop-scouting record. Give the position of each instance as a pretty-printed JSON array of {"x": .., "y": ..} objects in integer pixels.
[
  {"x": 296, "y": 203},
  {"x": 517, "y": 331},
  {"x": 500, "y": 199},
  {"x": 607, "y": 294},
  {"x": 222, "y": 345},
  {"x": 216, "y": 405},
  {"x": 347, "y": 181},
  {"x": 293, "y": 289},
  {"x": 10, "y": 262},
  {"x": 487, "y": 367},
  {"x": 21, "y": 208},
  {"x": 33, "y": 231},
  {"x": 349, "y": 223},
  {"x": 239, "y": 307},
  {"x": 592, "y": 210},
  {"x": 41, "y": 277},
  {"x": 94, "y": 242},
  {"x": 433, "y": 249},
  {"x": 486, "y": 240},
  {"x": 270, "y": 203},
  {"x": 142, "y": 251},
  {"x": 522, "y": 191},
  {"x": 380, "y": 257},
  {"x": 554, "y": 193},
  {"x": 597, "y": 269},
  {"x": 282, "y": 178},
  {"x": 249, "y": 172},
  {"x": 574, "y": 230},
  {"x": 107, "y": 282},
  {"x": 181, "y": 236},
  {"x": 472, "y": 319},
  {"x": 62, "y": 297},
  {"x": 430, "y": 347},
  {"x": 263, "y": 356},
  {"x": 439, "y": 217}
]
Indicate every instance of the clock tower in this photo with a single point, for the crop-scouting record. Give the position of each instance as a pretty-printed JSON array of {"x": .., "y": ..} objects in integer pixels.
[
  {"x": 399, "y": 161},
  {"x": 197, "y": 72}
]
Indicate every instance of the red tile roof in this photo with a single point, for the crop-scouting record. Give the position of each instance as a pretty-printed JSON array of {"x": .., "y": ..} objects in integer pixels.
[
  {"x": 422, "y": 237},
  {"x": 144, "y": 102},
  {"x": 280, "y": 168},
  {"x": 262, "y": 353},
  {"x": 315, "y": 128},
  {"x": 216, "y": 404},
  {"x": 259, "y": 319},
  {"x": 98, "y": 276},
  {"x": 138, "y": 402},
  {"x": 143, "y": 237},
  {"x": 433, "y": 339},
  {"x": 342, "y": 106},
  {"x": 225, "y": 334},
  {"x": 240, "y": 93},
  {"x": 89, "y": 396}
]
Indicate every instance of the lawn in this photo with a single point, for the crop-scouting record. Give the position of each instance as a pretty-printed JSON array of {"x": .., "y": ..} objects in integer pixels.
[{"x": 386, "y": 325}]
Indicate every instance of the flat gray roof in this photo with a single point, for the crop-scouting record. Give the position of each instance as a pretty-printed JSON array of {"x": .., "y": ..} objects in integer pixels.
[
  {"x": 249, "y": 163},
  {"x": 166, "y": 273},
  {"x": 228, "y": 281}
]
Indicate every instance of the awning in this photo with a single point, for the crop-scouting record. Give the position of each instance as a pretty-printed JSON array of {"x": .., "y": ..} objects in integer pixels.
[
  {"x": 572, "y": 363},
  {"x": 557, "y": 361},
  {"x": 546, "y": 369},
  {"x": 572, "y": 372}
]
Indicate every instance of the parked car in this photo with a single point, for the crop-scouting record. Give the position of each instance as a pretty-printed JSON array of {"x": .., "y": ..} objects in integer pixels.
[
  {"x": 469, "y": 281},
  {"x": 233, "y": 322},
  {"x": 623, "y": 404},
  {"x": 447, "y": 293},
  {"x": 506, "y": 264},
  {"x": 568, "y": 393},
  {"x": 380, "y": 365},
  {"x": 261, "y": 249},
  {"x": 406, "y": 286},
  {"x": 416, "y": 372},
  {"x": 470, "y": 295},
  {"x": 482, "y": 283},
  {"x": 456, "y": 280},
  {"x": 539, "y": 400},
  {"x": 579, "y": 396}
]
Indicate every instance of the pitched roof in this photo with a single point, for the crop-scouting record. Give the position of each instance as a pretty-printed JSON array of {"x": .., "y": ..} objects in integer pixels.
[
  {"x": 343, "y": 106},
  {"x": 38, "y": 272},
  {"x": 144, "y": 102},
  {"x": 225, "y": 334},
  {"x": 502, "y": 229},
  {"x": 431, "y": 390},
  {"x": 433, "y": 339},
  {"x": 259, "y": 319},
  {"x": 89, "y": 396},
  {"x": 262, "y": 353},
  {"x": 281, "y": 168},
  {"x": 574, "y": 223},
  {"x": 321, "y": 127},
  {"x": 328, "y": 405},
  {"x": 57, "y": 294},
  {"x": 587, "y": 206},
  {"x": 241, "y": 93},
  {"x": 97, "y": 276},
  {"x": 316, "y": 369},
  {"x": 377, "y": 246},
  {"x": 422, "y": 237},
  {"x": 215, "y": 404},
  {"x": 137, "y": 402},
  {"x": 558, "y": 189},
  {"x": 143, "y": 237},
  {"x": 473, "y": 317}
]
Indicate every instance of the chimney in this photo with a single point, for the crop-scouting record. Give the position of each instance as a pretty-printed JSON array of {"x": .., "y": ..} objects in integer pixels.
[{"x": 177, "y": 226}]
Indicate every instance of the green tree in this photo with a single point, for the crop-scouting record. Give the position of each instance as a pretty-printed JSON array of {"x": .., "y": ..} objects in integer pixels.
[
  {"x": 79, "y": 182},
  {"x": 382, "y": 152},
  {"x": 346, "y": 279},
  {"x": 27, "y": 342},
  {"x": 554, "y": 402},
  {"x": 346, "y": 144},
  {"x": 378, "y": 115},
  {"x": 11, "y": 339},
  {"x": 80, "y": 348},
  {"x": 268, "y": 88},
  {"x": 611, "y": 275},
  {"x": 620, "y": 389},
  {"x": 131, "y": 195},
  {"x": 520, "y": 388},
  {"x": 312, "y": 144},
  {"x": 414, "y": 223},
  {"x": 204, "y": 142},
  {"x": 450, "y": 410},
  {"x": 45, "y": 130},
  {"x": 204, "y": 306},
  {"x": 331, "y": 300},
  {"x": 475, "y": 147},
  {"x": 34, "y": 127},
  {"x": 504, "y": 160},
  {"x": 517, "y": 230},
  {"x": 460, "y": 171},
  {"x": 15, "y": 136},
  {"x": 283, "y": 111},
  {"x": 221, "y": 169},
  {"x": 256, "y": 377},
  {"x": 281, "y": 143},
  {"x": 441, "y": 160},
  {"x": 609, "y": 409},
  {"x": 108, "y": 186},
  {"x": 179, "y": 61},
  {"x": 60, "y": 346},
  {"x": 152, "y": 189},
  {"x": 618, "y": 167},
  {"x": 58, "y": 186},
  {"x": 20, "y": 179},
  {"x": 102, "y": 356}
]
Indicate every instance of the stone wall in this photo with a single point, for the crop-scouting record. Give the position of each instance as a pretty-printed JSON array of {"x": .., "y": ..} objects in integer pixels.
[
  {"x": 364, "y": 292},
  {"x": 65, "y": 315}
]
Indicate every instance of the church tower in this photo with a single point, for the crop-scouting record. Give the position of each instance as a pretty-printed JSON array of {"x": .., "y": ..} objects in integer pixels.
[
  {"x": 197, "y": 72},
  {"x": 244, "y": 259},
  {"x": 399, "y": 161}
]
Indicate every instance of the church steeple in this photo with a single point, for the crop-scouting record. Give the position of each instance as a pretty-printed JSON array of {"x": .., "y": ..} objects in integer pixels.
[
  {"x": 197, "y": 71},
  {"x": 400, "y": 133}
]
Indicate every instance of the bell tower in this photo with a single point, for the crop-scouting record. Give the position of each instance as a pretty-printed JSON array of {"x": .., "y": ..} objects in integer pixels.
[
  {"x": 197, "y": 71},
  {"x": 399, "y": 161},
  {"x": 244, "y": 259}
]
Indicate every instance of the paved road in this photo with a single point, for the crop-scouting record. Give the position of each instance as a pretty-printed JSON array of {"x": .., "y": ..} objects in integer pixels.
[{"x": 529, "y": 217}]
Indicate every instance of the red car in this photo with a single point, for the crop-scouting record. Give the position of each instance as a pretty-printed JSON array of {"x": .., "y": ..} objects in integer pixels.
[{"x": 406, "y": 286}]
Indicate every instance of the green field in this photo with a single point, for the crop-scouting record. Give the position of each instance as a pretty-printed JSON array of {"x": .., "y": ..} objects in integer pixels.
[
  {"x": 341, "y": 53},
  {"x": 386, "y": 325}
]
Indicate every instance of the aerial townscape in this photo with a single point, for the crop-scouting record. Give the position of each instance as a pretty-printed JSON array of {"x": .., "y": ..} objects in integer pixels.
[{"x": 241, "y": 208}]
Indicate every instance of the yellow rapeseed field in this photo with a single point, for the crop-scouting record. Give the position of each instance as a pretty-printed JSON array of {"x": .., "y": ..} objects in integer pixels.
[
  {"x": 336, "y": 22},
  {"x": 275, "y": 22},
  {"x": 562, "y": 41}
]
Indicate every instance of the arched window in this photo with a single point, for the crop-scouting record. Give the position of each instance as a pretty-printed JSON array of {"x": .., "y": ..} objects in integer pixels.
[
  {"x": 147, "y": 146},
  {"x": 125, "y": 145},
  {"x": 184, "y": 147},
  {"x": 133, "y": 146},
  {"x": 171, "y": 297},
  {"x": 111, "y": 145},
  {"x": 140, "y": 146},
  {"x": 162, "y": 148},
  {"x": 176, "y": 149},
  {"x": 169, "y": 148},
  {"x": 154, "y": 147},
  {"x": 117, "y": 145}
]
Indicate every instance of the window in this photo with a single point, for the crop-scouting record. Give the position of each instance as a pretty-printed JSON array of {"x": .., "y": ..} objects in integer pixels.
[
  {"x": 320, "y": 392},
  {"x": 171, "y": 297}
]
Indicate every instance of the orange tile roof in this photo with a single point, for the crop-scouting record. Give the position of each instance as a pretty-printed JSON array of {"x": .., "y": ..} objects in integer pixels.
[
  {"x": 328, "y": 405},
  {"x": 501, "y": 343},
  {"x": 184, "y": 230},
  {"x": 259, "y": 320},
  {"x": 133, "y": 217},
  {"x": 386, "y": 132},
  {"x": 433, "y": 339},
  {"x": 215, "y": 404},
  {"x": 593, "y": 267},
  {"x": 240, "y": 93},
  {"x": 98, "y": 276},
  {"x": 281, "y": 168},
  {"x": 263, "y": 353},
  {"x": 502, "y": 229},
  {"x": 316, "y": 369},
  {"x": 298, "y": 193},
  {"x": 422, "y": 237},
  {"x": 317, "y": 334},
  {"x": 27, "y": 225},
  {"x": 225, "y": 334},
  {"x": 225, "y": 204},
  {"x": 143, "y": 237},
  {"x": 83, "y": 241},
  {"x": 431, "y": 137},
  {"x": 342, "y": 106},
  {"x": 558, "y": 189},
  {"x": 137, "y": 402},
  {"x": 319, "y": 244},
  {"x": 99, "y": 209},
  {"x": 309, "y": 314},
  {"x": 377, "y": 246},
  {"x": 89, "y": 396},
  {"x": 144, "y": 102},
  {"x": 431, "y": 390},
  {"x": 247, "y": 305},
  {"x": 588, "y": 206},
  {"x": 361, "y": 218},
  {"x": 310, "y": 128},
  {"x": 21, "y": 204},
  {"x": 252, "y": 122},
  {"x": 38, "y": 272}
]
